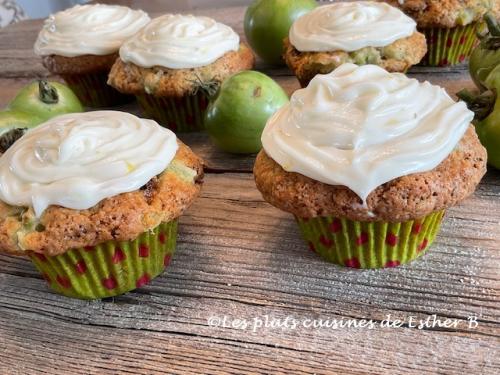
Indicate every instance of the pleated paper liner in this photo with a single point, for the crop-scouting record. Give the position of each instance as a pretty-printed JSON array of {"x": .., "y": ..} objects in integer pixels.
[
  {"x": 369, "y": 244},
  {"x": 93, "y": 91},
  {"x": 111, "y": 268},
  {"x": 449, "y": 46},
  {"x": 178, "y": 114}
]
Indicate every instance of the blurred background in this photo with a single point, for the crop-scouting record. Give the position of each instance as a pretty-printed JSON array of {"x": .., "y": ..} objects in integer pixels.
[{"x": 16, "y": 10}]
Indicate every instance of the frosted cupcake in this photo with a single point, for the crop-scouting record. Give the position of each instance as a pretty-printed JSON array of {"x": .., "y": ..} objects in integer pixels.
[
  {"x": 81, "y": 44},
  {"x": 361, "y": 32},
  {"x": 449, "y": 25},
  {"x": 93, "y": 199},
  {"x": 175, "y": 63},
  {"x": 368, "y": 161}
]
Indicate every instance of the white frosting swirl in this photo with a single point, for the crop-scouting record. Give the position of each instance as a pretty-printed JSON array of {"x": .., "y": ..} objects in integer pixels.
[
  {"x": 89, "y": 30},
  {"x": 77, "y": 160},
  {"x": 361, "y": 127},
  {"x": 350, "y": 27},
  {"x": 180, "y": 42}
]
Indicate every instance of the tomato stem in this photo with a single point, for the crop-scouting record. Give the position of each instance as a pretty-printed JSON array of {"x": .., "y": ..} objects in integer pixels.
[
  {"x": 47, "y": 93},
  {"x": 210, "y": 88},
  {"x": 482, "y": 105},
  {"x": 493, "y": 25},
  {"x": 7, "y": 139}
]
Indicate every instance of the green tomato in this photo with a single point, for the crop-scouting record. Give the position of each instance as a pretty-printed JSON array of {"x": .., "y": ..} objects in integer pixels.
[
  {"x": 486, "y": 107},
  {"x": 236, "y": 118},
  {"x": 486, "y": 56},
  {"x": 46, "y": 100},
  {"x": 488, "y": 130},
  {"x": 481, "y": 63},
  {"x": 14, "y": 119},
  {"x": 267, "y": 23}
]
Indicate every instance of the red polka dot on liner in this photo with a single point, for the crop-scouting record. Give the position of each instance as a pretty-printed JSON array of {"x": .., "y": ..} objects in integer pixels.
[
  {"x": 444, "y": 62},
  {"x": 392, "y": 263},
  {"x": 449, "y": 42},
  {"x": 109, "y": 283},
  {"x": 391, "y": 239},
  {"x": 89, "y": 248},
  {"x": 118, "y": 256},
  {"x": 423, "y": 245},
  {"x": 46, "y": 277},
  {"x": 326, "y": 241},
  {"x": 462, "y": 58},
  {"x": 166, "y": 260},
  {"x": 417, "y": 228},
  {"x": 336, "y": 226},
  {"x": 143, "y": 280},
  {"x": 143, "y": 251},
  {"x": 362, "y": 239},
  {"x": 162, "y": 238},
  {"x": 64, "y": 282},
  {"x": 81, "y": 267},
  {"x": 352, "y": 263}
]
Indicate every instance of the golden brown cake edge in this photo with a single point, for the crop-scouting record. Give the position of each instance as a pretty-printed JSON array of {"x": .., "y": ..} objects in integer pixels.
[{"x": 402, "y": 199}]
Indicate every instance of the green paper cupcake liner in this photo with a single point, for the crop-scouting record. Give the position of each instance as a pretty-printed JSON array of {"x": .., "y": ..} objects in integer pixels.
[
  {"x": 94, "y": 91},
  {"x": 449, "y": 46},
  {"x": 369, "y": 244},
  {"x": 178, "y": 114},
  {"x": 111, "y": 268}
]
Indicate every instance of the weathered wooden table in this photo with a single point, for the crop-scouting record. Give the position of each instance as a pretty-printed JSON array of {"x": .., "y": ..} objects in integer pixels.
[{"x": 241, "y": 270}]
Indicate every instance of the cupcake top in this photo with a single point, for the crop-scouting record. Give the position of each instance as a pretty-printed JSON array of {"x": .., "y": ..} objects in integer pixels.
[
  {"x": 77, "y": 160},
  {"x": 350, "y": 27},
  {"x": 180, "y": 42},
  {"x": 89, "y": 30},
  {"x": 361, "y": 127},
  {"x": 446, "y": 13}
]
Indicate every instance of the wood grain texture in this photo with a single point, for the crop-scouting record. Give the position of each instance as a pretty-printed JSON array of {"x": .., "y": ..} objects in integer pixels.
[
  {"x": 240, "y": 265},
  {"x": 239, "y": 258}
]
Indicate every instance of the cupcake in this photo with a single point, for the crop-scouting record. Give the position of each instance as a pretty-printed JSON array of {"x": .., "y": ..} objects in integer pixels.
[
  {"x": 450, "y": 26},
  {"x": 93, "y": 199},
  {"x": 175, "y": 63},
  {"x": 81, "y": 44},
  {"x": 368, "y": 161},
  {"x": 361, "y": 32}
]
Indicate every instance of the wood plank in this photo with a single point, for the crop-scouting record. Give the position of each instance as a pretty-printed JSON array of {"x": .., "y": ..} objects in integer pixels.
[
  {"x": 245, "y": 266},
  {"x": 98, "y": 350}
]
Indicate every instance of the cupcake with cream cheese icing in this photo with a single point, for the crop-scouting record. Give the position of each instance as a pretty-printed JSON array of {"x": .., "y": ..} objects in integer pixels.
[
  {"x": 175, "y": 63},
  {"x": 368, "y": 161},
  {"x": 81, "y": 44},
  {"x": 361, "y": 32},
  {"x": 450, "y": 26},
  {"x": 93, "y": 199}
]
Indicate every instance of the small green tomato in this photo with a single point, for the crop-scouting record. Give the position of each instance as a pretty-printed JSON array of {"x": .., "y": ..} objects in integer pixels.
[
  {"x": 267, "y": 23},
  {"x": 14, "y": 119},
  {"x": 237, "y": 116},
  {"x": 46, "y": 99}
]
